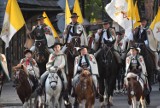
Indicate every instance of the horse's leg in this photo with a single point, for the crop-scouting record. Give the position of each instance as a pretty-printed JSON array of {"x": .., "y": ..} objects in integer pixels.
[
  {"x": 143, "y": 104},
  {"x": 56, "y": 101},
  {"x": 134, "y": 102},
  {"x": 48, "y": 102},
  {"x": 101, "y": 91}
]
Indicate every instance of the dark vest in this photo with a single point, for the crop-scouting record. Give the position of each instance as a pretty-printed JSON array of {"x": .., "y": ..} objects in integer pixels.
[
  {"x": 74, "y": 32},
  {"x": 134, "y": 63},
  {"x": 140, "y": 37},
  {"x": 101, "y": 36},
  {"x": 80, "y": 61},
  {"x": 39, "y": 33}
]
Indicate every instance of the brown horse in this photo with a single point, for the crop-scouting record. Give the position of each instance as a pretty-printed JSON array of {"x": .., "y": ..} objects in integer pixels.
[
  {"x": 23, "y": 87},
  {"x": 84, "y": 89},
  {"x": 41, "y": 55},
  {"x": 135, "y": 91},
  {"x": 71, "y": 53}
]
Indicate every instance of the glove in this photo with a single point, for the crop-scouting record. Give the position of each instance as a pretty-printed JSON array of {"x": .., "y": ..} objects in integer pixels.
[{"x": 79, "y": 68}]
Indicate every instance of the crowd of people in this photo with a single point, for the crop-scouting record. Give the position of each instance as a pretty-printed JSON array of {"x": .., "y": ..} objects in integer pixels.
[{"x": 121, "y": 44}]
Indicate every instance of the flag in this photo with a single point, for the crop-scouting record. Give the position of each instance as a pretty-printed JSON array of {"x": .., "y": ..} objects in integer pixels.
[
  {"x": 13, "y": 21},
  {"x": 130, "y": 11},
  {"x": 155, "y": 25},
  {"x": 48, "y": 22},
  {"x": 136, "y": 16},
  {"x": 67, "y": 14},
  {"x": 77, "y": 10},
  {"x": 118, "y": 10}
]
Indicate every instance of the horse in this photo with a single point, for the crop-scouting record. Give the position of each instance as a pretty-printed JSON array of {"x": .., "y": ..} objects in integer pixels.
[
  {"x": 24, "y": 84},
  {"x": 53, "y": 89},
  {"x": 41, "y": 55},
  {"x": 84, "y": 89},
  {"x": 135, "y": 89},
  {"x": 150, "y": 65},
  {"x": 108, "y": 70},
  {"x": 71, "y": 53}
]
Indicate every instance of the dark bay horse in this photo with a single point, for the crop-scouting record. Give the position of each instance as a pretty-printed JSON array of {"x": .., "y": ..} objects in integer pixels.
[
  {"x": 41, "y": 55},
  {"x": 108, "y": 70},
  {"x": 135, "y": 91},
  {"x": 24, "y": 86},
  {"x": 84, "y": 89},
  {"x": 71, "y": 53}
]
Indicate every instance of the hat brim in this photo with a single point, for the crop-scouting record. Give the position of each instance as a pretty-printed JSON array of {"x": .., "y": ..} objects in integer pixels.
[
  {"x": 27, "y": 51},
  {"x": 41, "y": 18},
  {"x": 74, "y": 16},
  {"x": 55, "y": 45}
]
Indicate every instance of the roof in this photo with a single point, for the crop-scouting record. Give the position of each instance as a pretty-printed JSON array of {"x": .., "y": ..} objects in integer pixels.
[{"x": 31, "y": 5}]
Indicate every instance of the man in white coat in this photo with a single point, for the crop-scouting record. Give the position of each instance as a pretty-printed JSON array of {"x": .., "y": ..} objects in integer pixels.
[{"x": 85, "y": 61}]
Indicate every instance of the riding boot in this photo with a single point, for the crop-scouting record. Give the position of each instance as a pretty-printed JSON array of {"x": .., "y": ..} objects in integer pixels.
[{"x": 73, "y": 92}]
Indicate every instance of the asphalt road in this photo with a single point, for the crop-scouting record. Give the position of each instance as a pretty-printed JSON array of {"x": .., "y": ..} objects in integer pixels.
[{"x": 9, "y": 98}]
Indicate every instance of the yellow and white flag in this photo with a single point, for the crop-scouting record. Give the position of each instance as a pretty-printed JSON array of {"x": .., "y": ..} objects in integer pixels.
[
  {"x": 123, "y": 12},
  {"x": 13, "y": 21},
  {"x": 136, "y": 17},
  {"x": 48, "y": 22},
  {"x": 155, "y": 25},
  {"x": 67, "y": 14},
  {"x": 77, "y": 10}
]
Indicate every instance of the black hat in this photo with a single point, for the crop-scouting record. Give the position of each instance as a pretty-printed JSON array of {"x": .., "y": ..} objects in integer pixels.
[
  {"x": 134, "y": 47},
  {"x": 26, "y": 51},
  {"x": 55, "y": 44},
  {"x": 40, "y": 17},
  {"x": 105, "y": 21},
  {"x": 143, "y": 19},
  {"x": 74, "y": 15},
  {"x": 82, "y": 47}
]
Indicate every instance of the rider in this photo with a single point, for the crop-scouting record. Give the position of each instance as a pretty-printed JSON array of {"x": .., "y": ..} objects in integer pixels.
[
  {"x": 85, "y": 61},
  {"x": 57, "y": 61},
  {"x": 74, "y": 29},
  {"x": 31, "y": 66},
  {"x": 140, "y": 36},
  {"x": 42, "y": 32},
  {"x": 107, "y": 34},
  {"x": 3, "y": 66},
  {"x": 136, "y": 62}
]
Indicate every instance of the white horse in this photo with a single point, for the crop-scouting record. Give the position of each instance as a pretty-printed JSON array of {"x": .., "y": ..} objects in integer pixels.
[{"x": 53, "y": 89}]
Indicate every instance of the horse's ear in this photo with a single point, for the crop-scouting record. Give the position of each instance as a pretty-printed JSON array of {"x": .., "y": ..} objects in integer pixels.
[
  {"x": 128, "y": 79},
  {"x": 22, "y": 66}
]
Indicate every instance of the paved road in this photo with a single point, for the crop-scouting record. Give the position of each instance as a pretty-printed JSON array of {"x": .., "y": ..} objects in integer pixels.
[{"x": 9, "y": 98}]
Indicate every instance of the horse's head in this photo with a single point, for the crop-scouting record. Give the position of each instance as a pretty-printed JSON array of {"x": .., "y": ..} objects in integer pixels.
[
  {"x": 85, "y": 79},
  {"x": 20, "y": 74},
  {"x": 41, "y": 52},
  {"x": 76, "y": 41},
  {"x": 109, "y": 43},
  {"x": 53, "y": 79}
]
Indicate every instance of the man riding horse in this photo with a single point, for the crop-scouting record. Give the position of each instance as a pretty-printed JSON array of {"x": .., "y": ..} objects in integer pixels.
[
  {"x": 85, "y": 61},
  {"x": 136, "y": 62},
  {"x": 31, "y": 67},
  {"x": 141, "y": 37},
  {"x": 42, "y": 33},
  {"x": 104, "y": 35},
  {"x": 57, "y": 61},
  {"x": 74, "y": 30}
]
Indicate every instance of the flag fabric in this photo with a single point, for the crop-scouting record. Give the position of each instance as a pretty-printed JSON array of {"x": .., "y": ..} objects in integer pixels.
[
  {"x": 13, "y": 21},
  {"x": 125, "y": 13},
  {"x": 155, "y": 25},
  {"x": 136, "y": 16},
  {"x": 77, "y": 10},
  {"x": 118, "y": 10},
  {"x": 48, "y": 22},
  {"x": 67, "y": 14}
]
